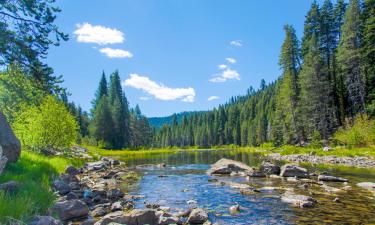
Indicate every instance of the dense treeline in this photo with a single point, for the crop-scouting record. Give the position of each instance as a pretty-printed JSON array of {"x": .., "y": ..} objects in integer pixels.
[{"x": 327, "y": 80}]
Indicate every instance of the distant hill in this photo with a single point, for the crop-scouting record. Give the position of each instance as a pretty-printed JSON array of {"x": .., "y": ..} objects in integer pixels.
[{"x": 158, "y": 122}]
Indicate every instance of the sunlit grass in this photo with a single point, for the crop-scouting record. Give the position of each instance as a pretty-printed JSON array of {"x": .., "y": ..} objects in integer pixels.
[{"x": 34, "y": 172}]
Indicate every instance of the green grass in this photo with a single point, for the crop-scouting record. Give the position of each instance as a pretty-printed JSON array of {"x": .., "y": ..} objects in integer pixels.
[
  {"x": 337, "y": 151},
  {"x": 34, "y": 172}
]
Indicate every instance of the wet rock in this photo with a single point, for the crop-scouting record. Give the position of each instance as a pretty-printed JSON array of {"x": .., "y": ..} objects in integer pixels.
[
  {"x": 331, "y": 178},
  {"x": 337, "y": 200},
  {"x": 95, "y": 165},
  {"x": 184, "y": 213},
  {"x": 367, "y": 185},
  {"x": 115, "y": 194},
  {"x": 135, "y": 217},
  {"x": 99, "y": 211},
  {"x": 152, "y": 205},
  {"x": 71, "y": 170},
  {"x": 10, "y": 186},
  {"x": 234, "y": 209},
  {"x": 71, "y": 209},
  {"x": 291, "y": 170},
  {"x": 44, "y": 220},
  {"x": 61, "y": 187},
  {"x": 302, "y": 201},
  {"x": 114, "y": 162},
  {"x": 256, "y": 173},
  {"x": 227, "y": 166},
  {"x": 162, "y": 165},
  {"x": 197, "y": 216},
  {"x": 129, "y": 206},
  {"x": 116, "y": 206},
  {"x": 269, "y": 168},
  {"x": 90, "y": 221},
  {"x": 10, "y": 146},
  {"x": 168, "y": 220},
  {"x": 71, "y": 195},
  {"x": 330, "y": 189}
]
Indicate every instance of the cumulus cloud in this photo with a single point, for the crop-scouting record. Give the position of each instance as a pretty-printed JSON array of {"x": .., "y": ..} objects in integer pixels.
[
  {"x": 211, "y": 98},
  {"x": 222, "y": 66},
  {"x": 160, "y": 91},
  {"x": 144, "y": 98},
  {"x": 227, "y": 74},
  {"x": 237, "y": 43},
  {"x": 101, "y": 35},
  {"x": 116, "y": 53},
  {"x": 231, "y": 60}
]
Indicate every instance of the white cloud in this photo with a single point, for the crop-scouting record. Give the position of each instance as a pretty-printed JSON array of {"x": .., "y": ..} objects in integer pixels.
[
  {"x": 144, "y": 98},
  {"x": 231, "y": 60},
  {"x": 116, "y": 53},
  {"x": 222, "y": 66},
  {"x": 101, "y": 35},
  {"x": 227, "y": 74},
  {"x": 211, "y": 98},
  {"x": 159, "y": 91},
  {"x": 237, "y": 43}
]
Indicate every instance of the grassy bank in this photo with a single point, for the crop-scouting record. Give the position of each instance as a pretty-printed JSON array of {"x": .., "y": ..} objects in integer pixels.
[{"x": 34, "y": 172}]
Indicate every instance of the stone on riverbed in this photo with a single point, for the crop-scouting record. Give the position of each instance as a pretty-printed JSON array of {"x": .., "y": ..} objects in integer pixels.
[
  {"x": 228, "y": 166},
  {"x": 291, "y": 170},
  {"x": 71, "y": 209},
  {"x": 95, "y": 165},
  {"x": 197, "y": 216},
  {"x": 45, "y": 220},
  {"x": 60, "y": 186},
  {"x": 256, "y": 173},
  {"x": 331, "y": 178},
  {"x": 135, "y": 217},
  {"x": 367, "y": 185},
  {"x": 302, "y": 201}
]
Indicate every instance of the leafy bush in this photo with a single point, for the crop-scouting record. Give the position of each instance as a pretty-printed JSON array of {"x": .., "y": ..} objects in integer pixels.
[
  {"x": 47, "y": 127},
  {"x": 361, "y": 133}
]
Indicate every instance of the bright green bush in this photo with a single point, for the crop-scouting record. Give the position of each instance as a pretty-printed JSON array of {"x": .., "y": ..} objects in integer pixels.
[
  {"x": 47, "y": 127},
  {"x": 361, "y": 133}
]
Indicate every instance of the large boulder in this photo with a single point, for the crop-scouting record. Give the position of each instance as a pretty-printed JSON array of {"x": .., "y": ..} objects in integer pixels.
[
  {"x": 10, "y": 146},
  {"x": 290, "y": 170},
  {"x": 269, "y": 168},
  {"x": 197, "y": 216},
  {"x": 228, "y": 166},
  {"x": 134, "y": 217},
  {"x": 71, "y": 209},
  {"x": 45, "y": 220}
]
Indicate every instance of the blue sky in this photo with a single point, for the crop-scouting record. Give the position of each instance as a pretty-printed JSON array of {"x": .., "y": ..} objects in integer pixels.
[{"x": 173, "y": 55}]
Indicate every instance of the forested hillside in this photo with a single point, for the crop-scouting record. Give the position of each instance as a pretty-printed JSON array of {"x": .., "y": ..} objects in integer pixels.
[
  {"x": 158, "y": 122},
  {"x": 327, "y": 80}
]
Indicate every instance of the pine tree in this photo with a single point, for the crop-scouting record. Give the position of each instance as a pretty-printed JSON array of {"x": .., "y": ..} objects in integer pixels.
[
  {"x": 349, "y": 56},
  {"x": 102, "y": 90},
  {"x": 103, "y": 123},
  {"x": 312, "y": 26}
]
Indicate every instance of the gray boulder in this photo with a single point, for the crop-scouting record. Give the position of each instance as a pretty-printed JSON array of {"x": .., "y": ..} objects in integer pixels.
[
  {"x": 197, "y": 216},
  {"x": 71, "y": 209},
  {"x": 96, "y": 165},
  {"x": 331, "y": 178},
  {"x": 60, "y": 186},
  {"x": 45, "y": 220},
  {"x": 10, "y": 146},
  {"x": 291, "y": 170},
  {"x": 256, "y": 173},
  {"x": 269, "y": 168},
  {"x": 135, "y": 217},
  {"x": 228, "y": 166},
  {"x": 71, "y": 170}
]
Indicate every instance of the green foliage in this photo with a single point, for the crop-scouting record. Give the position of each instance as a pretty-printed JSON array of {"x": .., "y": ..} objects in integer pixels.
[
  {"x": 17, "y": 91},
  {"x": 361, "y": 133},
  {"x": 48, "y": 126},
  {"x": 35, "y": 173}
]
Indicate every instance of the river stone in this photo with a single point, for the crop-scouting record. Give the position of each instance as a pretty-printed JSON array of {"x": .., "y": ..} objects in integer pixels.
[
  {"x": 269, "y": 168},
  {"x": 291, "y": 170},
  {"x": 135, "y": 217},
  {"x": 95, "y": 165},
  {"x": 331, "y": 178},
  {"x": 197, "y": 216},
  {"x": 71, "y": 209},
  {"x": 367, "y": 185},
  {"x": 227, "y": 166},
  {"x": 116, "y": 206},
  {"x": 10, "y": 145},
  {"x": 302, "y": 201},
  {"x": 168, "y": 220},
  {"x": 99, "y": 211},
  {"x": 115, "y": 194},
  {"x": 256, "y": 173},
  {"x": 45, "y": 220},
  {"x": 71, "y": 170},
  {"x": 60, "y": 186}
]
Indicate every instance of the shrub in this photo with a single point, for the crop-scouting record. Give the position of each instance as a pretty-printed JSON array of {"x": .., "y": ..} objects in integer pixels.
[
  {"x": 361, "y": 133},
  {"x": 49, "y": 126}
]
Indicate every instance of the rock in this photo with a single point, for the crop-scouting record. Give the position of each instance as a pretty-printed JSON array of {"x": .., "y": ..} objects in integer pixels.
[
  {"x": 115, "y": 162},
  {"x": 168, "y": 220},
  {"x": 95, "y": 165},
  {"x": 99, "y": 211},
  {"x": 135, "y": 217},
  {"x": 60, "y": 186},
  {"x": 227, "y": 166},
  {"x": 10, "y": 146},
  {"x": 71, "y": 209},
  {"x": 337, "y": 200},
  {"x": 71, "y": 195},
  {"x": 331, "y": 178},
  {"x": 115, "y": 194},
  {"x": 367, "y": 185},
  {"x": 89, "y": 221},
  {"x": 330, "y": 189},
  {"x": 256, "y": 173},
  {"x": 3, "y": 161},
  {"x": 10, "y": 186},
  {"x": 302, "y": 201},
  {"x": 290, "y": 170},
  {"x": 116, "y": 206},
  {"x": 184, "y": 213},
  {"x": 162, "y": 165},
  {"x": 44, "y": 220},
  {"x": 197, "y": 216},
  {"x": 234, "y": 209},
  {"x": 327, "y": 149},
  {"x": 269, "y": 168},
  {"x": 71, "y": 170}
]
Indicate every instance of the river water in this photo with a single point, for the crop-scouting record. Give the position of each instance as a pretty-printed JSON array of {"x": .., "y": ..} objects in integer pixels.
[{"x": 184, "y": 182}]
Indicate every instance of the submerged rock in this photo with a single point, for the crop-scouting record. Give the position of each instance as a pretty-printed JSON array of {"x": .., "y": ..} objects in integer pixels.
[
  {"x": 228, "y": 166},
  {"x": 234, "y": 209},
  {"x": 197, "y": 216},
  {"x": 291, "y": 170},
  {"x": 302, "y": 201},
  {"x": 71, "y": 209},
  {"x": 367, "y": 185},
  {"x": 135, "y": 217},
  {"x": 331, "y": 178}
]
